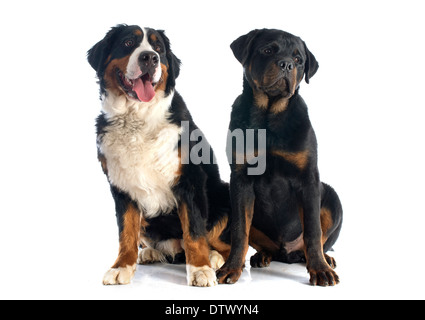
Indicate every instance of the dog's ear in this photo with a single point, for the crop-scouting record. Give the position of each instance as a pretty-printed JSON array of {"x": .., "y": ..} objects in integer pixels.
[
  {"x": 98, "y": 54},
  {"x": 241, "y": 47},
  {"x": 173, "y": 63},
  {"x": 311, "y": 64},
  {"x": 95, "y": 55}
]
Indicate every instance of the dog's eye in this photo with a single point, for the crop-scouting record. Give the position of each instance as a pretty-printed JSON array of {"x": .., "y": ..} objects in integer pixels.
[
  {"x": 129, "y": 43},
  {"x": 297, "y": 60},
  {"x": 268, "y": 51},
  {"x": 158, "y": 48}
]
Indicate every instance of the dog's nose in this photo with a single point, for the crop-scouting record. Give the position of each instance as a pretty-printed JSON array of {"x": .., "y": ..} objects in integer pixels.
[
  {"x": 286, "y": 65},
  {"x": 148, "y": 59}
]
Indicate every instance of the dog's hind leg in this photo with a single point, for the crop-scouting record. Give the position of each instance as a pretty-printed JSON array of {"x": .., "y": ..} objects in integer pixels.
[
  {"x": 331, "y": 217},
  {"x": 266, "y": 248}
]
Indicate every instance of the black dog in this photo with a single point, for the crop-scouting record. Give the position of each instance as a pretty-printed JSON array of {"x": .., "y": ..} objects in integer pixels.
[
  {"x": 286, "y": 213},
  {"x": 164, "y": 201}
]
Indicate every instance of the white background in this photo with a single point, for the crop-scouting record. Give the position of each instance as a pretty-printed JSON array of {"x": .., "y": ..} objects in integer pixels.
[{"x": 58, "y": 233}]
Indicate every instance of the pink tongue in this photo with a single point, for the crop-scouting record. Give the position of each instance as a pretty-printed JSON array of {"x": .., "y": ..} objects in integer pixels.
[{"x": 144, "y": 90}]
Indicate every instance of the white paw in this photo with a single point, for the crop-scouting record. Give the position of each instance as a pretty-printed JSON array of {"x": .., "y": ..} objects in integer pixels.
[
  {"x": 216, "y": 260},
  {"x": 119, "y": 275},
  {"x": 201, "y": 276},
  {"x": 150, "y": 255}
]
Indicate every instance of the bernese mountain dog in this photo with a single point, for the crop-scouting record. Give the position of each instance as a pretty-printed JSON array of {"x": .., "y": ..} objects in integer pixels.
[{"x": 167, "y": 202}]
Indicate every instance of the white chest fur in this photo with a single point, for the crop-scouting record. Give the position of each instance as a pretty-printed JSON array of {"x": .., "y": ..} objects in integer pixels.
[{"x": 140, "y": 147}]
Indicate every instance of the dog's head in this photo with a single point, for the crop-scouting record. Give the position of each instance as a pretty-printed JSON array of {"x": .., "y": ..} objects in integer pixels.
[
  {"x": 135, "y": 62},
  {"x": 274, "y": 61}
]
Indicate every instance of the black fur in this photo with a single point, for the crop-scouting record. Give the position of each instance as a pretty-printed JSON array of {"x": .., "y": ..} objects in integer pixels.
[
  {"x": 288, "y": 198},
  {"x": 199, "y": 187}
]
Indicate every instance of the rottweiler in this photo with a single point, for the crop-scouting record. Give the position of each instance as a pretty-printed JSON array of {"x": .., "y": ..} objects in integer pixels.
[{"x": 286, "y": 213}]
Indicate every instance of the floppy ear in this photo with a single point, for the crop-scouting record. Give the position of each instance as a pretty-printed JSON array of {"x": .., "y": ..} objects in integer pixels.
[
  {"x": 311, "y": 65},
  {"x": 241, "y": 47},
  {"x": 97, "y": 55},
  {"x": 173, "y": 63}
]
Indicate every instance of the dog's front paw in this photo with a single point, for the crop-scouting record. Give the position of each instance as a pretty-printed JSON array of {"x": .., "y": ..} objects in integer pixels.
[
  {"x": 119, "y": 275},
  {"x": 323, "y": 276},
  {"x": 201, "y": 276}
]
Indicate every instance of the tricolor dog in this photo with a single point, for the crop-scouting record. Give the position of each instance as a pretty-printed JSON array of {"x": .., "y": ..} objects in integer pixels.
[{"x": 166, "y": 204}]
